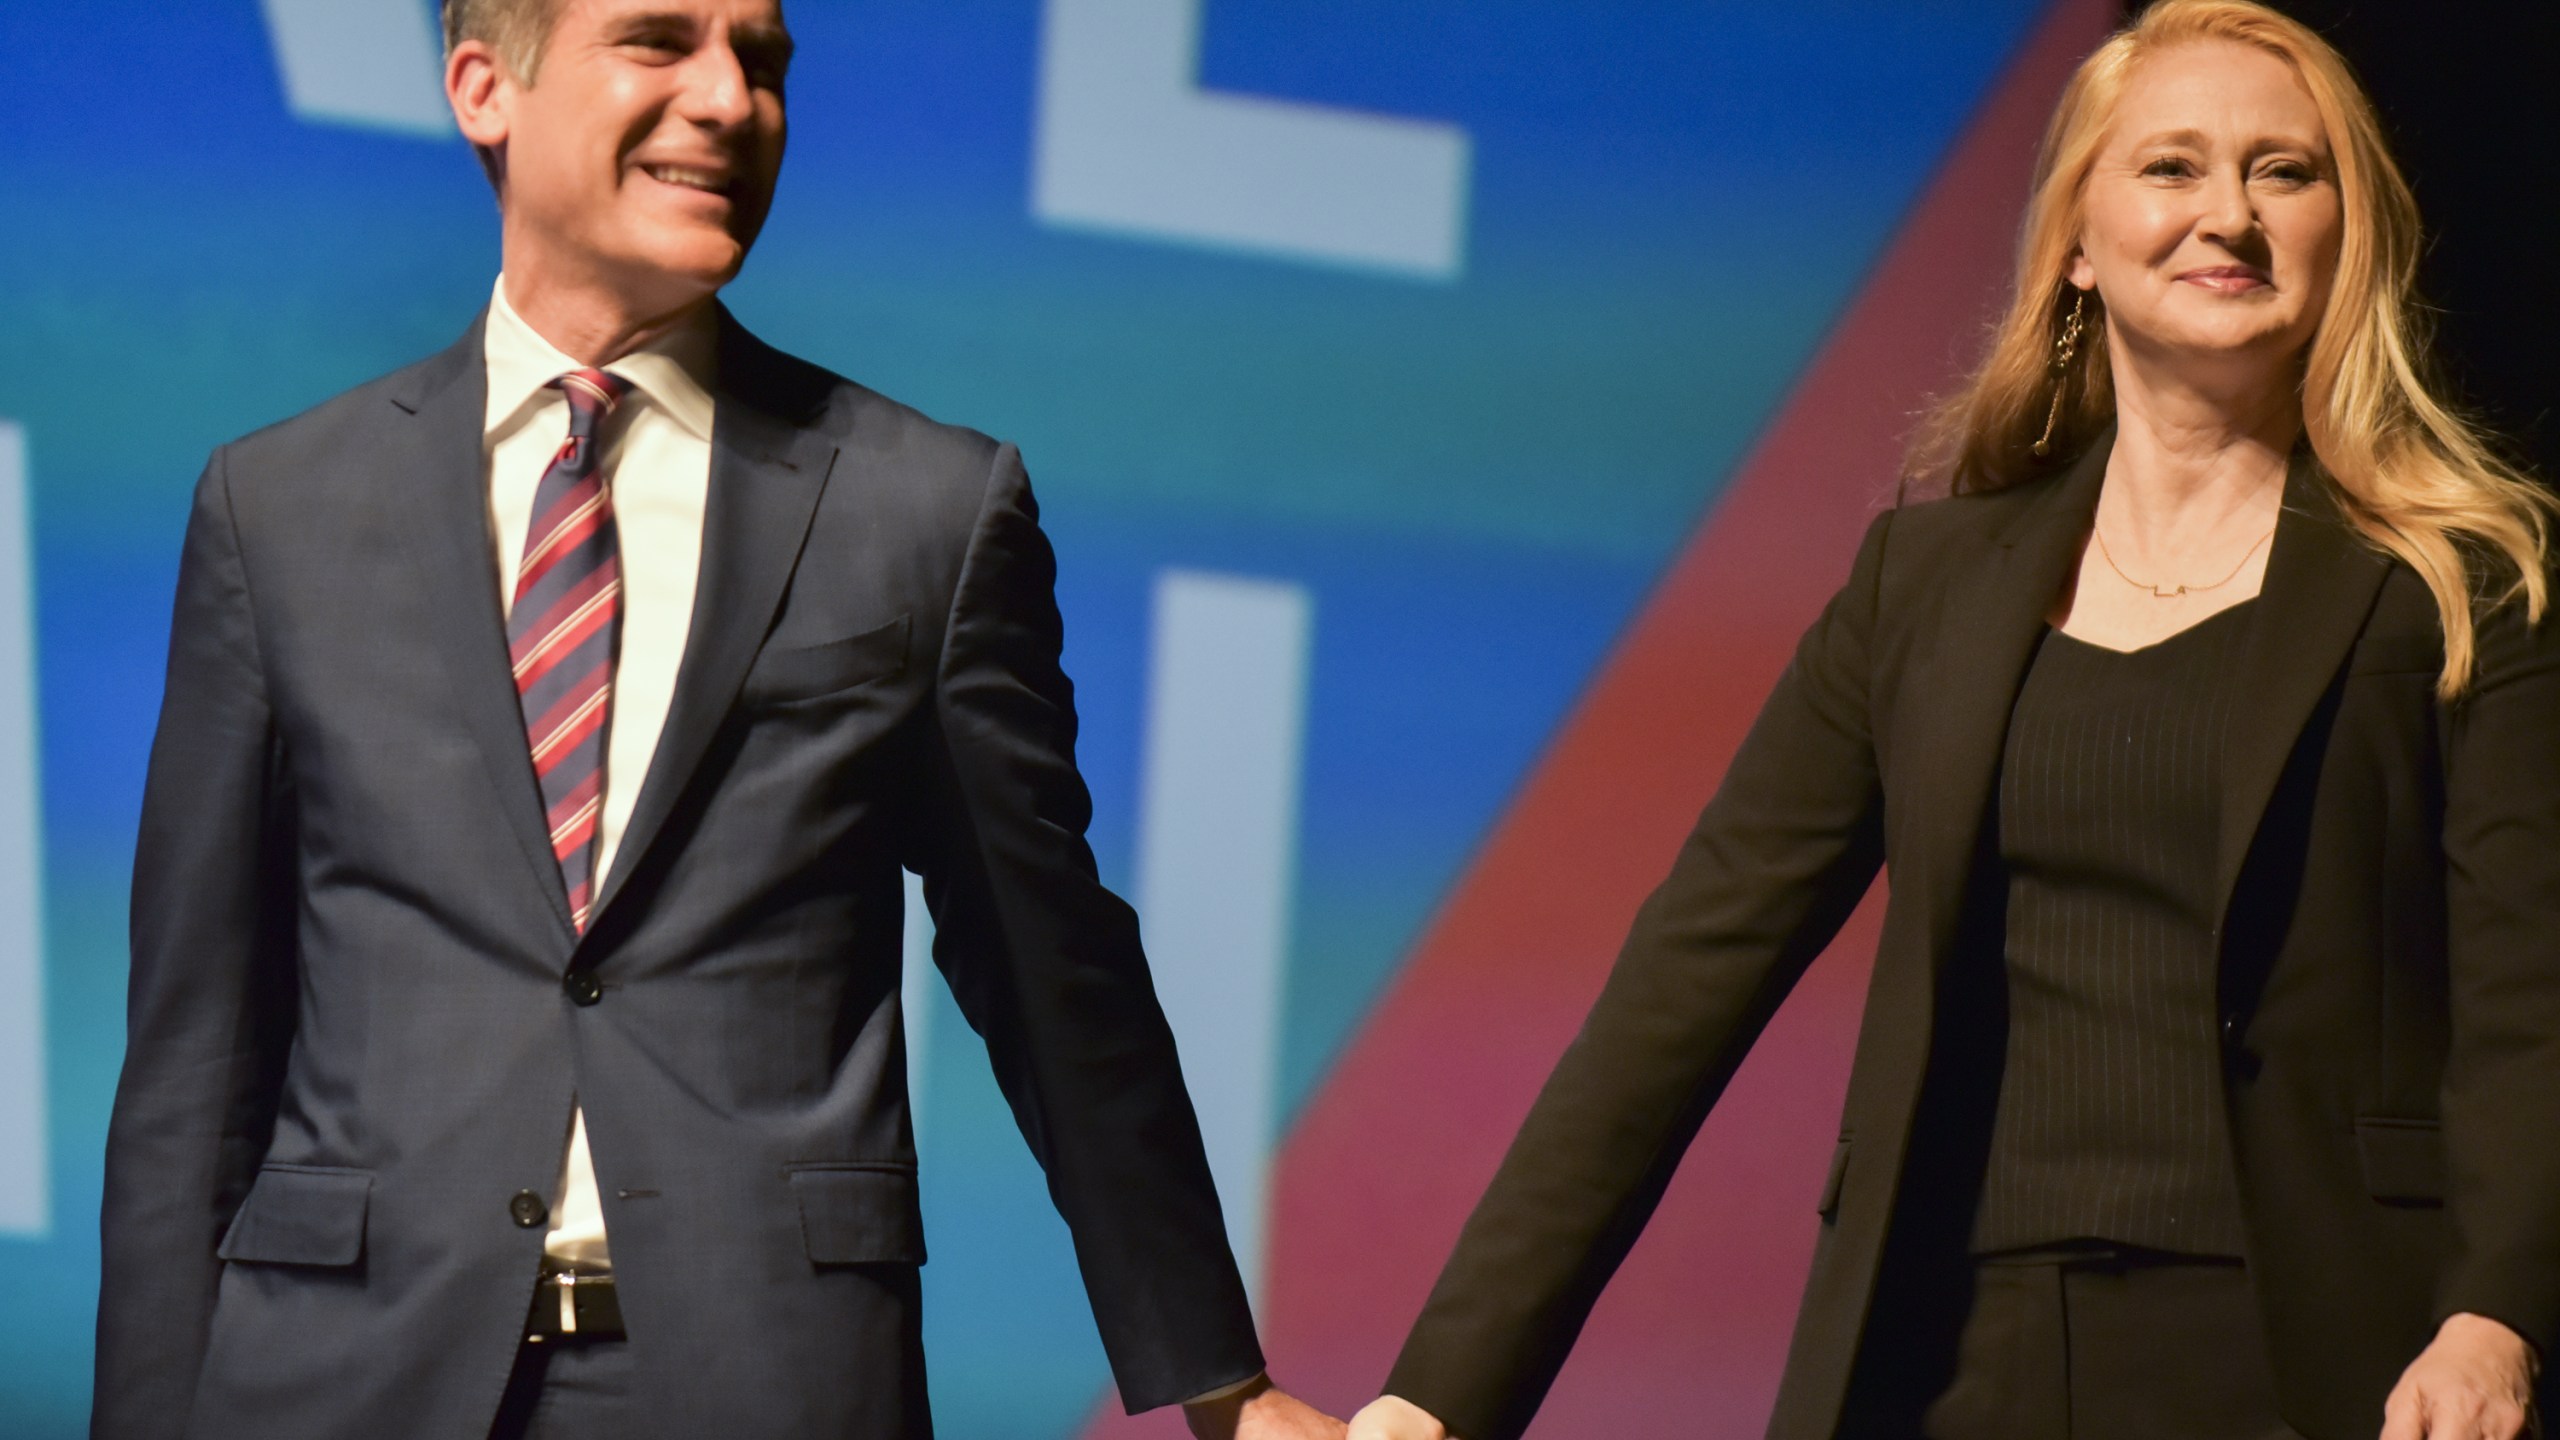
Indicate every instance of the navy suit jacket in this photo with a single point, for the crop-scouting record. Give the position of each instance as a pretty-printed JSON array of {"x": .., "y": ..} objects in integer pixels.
[{"x": 355, "y": 1033}]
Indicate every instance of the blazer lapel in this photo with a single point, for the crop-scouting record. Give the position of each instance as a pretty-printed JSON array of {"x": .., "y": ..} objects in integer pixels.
[
  {"x": 439, "y": 471},
  {"x": 2322, "y": 581},
  {"x": 1987, "y": 631},
  {"x": 768, "y": 469}
]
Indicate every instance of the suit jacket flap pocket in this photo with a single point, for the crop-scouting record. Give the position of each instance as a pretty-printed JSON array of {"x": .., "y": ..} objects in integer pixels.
[
  {"x": 2403, "y": 1160},
  {"x": 301, "y": 1215},
  {"x": 853, "y": 1214},
  {"x": 805, "y": 672}
]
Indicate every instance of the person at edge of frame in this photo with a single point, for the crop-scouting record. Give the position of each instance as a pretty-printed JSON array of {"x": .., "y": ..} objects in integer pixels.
[
  {"x": 514, "y": 1040},
  {"x": 2211, "y": 732}
]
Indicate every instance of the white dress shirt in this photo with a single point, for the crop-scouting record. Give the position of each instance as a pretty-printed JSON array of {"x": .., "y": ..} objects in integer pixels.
[{"x": 657, "y": 468}]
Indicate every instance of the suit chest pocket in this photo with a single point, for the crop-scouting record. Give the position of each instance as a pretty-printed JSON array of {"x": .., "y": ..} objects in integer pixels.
[{"x": 793, "y": 674}]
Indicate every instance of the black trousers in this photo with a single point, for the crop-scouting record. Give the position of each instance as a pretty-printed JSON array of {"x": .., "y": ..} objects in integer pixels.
[
  {"x": 2103, "y": 1344},
  {"x": 567, "y": 1390}
]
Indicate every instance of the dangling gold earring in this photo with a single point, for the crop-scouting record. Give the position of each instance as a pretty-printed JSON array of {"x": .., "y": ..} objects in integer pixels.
[{"x": 2065, "y": 348}]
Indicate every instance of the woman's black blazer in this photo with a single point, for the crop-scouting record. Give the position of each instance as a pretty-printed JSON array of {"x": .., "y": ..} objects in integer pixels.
[{"x": 2390, "y": 941}]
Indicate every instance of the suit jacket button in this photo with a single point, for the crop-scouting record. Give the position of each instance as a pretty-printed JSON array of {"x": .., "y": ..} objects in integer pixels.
[
  {"x": 528, "y": 1209},
  {"x": 583, "y": 986},
  {"x": 2230, "y": 1029}
]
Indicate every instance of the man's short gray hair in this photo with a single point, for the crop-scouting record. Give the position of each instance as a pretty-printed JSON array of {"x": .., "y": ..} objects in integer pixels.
[{"x": 516, "y": 29}]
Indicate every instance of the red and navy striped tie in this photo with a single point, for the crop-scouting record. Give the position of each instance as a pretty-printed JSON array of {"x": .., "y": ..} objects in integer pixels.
[{"x": 563, "y": 630}]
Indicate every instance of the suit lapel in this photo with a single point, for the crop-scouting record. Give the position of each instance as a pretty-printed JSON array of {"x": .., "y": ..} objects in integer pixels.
[
  {"x": 2322, "y": 580},
  {"x": 768, "y": 469},
  {"x": 439, "y": 472},
  {"x": 1993, "y": 618}
]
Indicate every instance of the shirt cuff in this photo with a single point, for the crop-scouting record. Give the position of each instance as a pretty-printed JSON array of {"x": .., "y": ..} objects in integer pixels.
[{"x": 1223, "y": 1391}]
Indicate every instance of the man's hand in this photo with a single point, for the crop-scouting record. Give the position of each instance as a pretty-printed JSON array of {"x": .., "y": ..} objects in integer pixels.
[
  {"x": 1389, "y": 1418},
  {"x": 2475, "y": 1382},
  {"x": 1260, "y": 1411}
]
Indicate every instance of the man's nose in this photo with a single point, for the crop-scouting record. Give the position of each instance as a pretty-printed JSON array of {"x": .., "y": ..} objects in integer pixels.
[{"x": 716, "y": 93}]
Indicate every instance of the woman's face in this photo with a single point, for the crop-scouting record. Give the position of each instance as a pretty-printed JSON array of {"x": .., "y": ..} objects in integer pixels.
[{"x": 2211, "y": 220}]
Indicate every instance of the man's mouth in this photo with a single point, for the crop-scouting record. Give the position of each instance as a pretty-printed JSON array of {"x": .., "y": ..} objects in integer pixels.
[{"x": 710, "y": 182}]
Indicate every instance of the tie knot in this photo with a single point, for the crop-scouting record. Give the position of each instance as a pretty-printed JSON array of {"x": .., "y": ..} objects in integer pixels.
[{"x": 592, "y": 395}]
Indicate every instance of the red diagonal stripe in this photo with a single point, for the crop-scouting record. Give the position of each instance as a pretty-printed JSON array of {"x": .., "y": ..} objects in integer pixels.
[
  {"x": 583, "y": 794},
  {"x": 529, "y": 630},
  {"x": 575, "y": 833},
  {"x": 575, "y": 626},
  {"x": 568, "y": 704},
  {"x": 597, "y": 384},
  {"x": 557, "y": 745},
  {"x": 557, "y": 545}
]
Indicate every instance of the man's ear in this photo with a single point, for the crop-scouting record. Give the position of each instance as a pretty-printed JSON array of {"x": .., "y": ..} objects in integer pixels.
[{"x": 482, "y": 93}]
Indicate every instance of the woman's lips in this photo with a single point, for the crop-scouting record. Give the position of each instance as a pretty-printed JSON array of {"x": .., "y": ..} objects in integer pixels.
[{"x": 2228, "y": 279}]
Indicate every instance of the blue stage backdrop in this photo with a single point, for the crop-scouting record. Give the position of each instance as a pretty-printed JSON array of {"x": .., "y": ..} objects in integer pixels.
[{"x": 1372, "y": 362}]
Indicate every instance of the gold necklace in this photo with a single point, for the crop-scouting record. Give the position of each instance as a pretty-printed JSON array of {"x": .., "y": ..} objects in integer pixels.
[{"x": 2172, "y": 592}]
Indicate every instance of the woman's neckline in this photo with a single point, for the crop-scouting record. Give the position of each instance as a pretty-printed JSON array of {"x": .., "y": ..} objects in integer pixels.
[{"x": 2172, "y": 638}]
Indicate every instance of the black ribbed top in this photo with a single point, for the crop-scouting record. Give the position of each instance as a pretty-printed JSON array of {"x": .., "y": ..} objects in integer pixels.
[{"x": 2110, "y": 1124}]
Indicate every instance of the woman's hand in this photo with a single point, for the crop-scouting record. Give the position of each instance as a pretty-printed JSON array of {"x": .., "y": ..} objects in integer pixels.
[
  {"x": 1388, "y": 1418},
  {"x": 2475, "y": 1382}
]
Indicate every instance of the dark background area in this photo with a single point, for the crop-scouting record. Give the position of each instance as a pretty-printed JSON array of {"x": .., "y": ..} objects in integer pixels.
[{"x": 2468, "y": 90}]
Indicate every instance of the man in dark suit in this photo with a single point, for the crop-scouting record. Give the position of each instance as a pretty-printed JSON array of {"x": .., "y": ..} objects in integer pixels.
[{"x": 514, "y": 1041}]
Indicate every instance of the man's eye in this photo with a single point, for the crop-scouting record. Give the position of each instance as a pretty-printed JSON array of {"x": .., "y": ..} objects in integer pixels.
[{"x": 764, "y": 65}]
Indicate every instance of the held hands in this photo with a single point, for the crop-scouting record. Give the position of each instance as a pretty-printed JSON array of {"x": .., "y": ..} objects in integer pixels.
[
  {"x": 1389, "y": 1418},
  {"x": 1260, "y": 1411},
  {"x": 2474, "y": 1382}
]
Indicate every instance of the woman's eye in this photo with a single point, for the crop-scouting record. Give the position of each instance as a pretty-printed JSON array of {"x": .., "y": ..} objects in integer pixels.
[
  {"x": 2169, "y": 166},
  {"x": 2287, "y": 173}
]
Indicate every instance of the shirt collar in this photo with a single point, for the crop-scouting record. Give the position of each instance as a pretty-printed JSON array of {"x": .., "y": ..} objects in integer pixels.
[{"x": 669, "y": 371}]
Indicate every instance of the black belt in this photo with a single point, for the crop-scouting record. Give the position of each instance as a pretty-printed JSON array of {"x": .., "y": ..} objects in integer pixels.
[{"x": 568, "y": 1305}]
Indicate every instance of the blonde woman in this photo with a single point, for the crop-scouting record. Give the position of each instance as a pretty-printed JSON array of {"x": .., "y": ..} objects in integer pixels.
[{"x": 2210, "y": 1080}]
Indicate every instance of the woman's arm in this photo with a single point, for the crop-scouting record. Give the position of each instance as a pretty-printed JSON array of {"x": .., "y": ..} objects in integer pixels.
[
  {"x": 2502, "y": 890},
  {"x": 1783, "y": 853}
]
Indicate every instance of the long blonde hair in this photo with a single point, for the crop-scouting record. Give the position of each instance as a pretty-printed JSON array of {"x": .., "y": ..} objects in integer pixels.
[{"x": 2411, "y": 475}]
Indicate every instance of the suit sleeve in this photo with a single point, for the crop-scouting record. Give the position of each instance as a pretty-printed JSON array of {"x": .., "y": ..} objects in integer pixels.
[
  {"x": 211, "y": 1002},
  {"x": 1047, "y": 966},
  {"x": 2502, "y": 1081},
  {"x": 1782, "y": 854}
]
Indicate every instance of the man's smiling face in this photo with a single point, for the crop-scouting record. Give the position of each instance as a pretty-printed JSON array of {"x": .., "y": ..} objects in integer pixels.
[{"x": 643, "y": 154}]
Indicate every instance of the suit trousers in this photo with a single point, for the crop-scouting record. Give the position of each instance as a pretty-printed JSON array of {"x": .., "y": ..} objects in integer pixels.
[
  {"x": 2107, "y": 1344},
  {"x": 568, "y": 1390}
]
